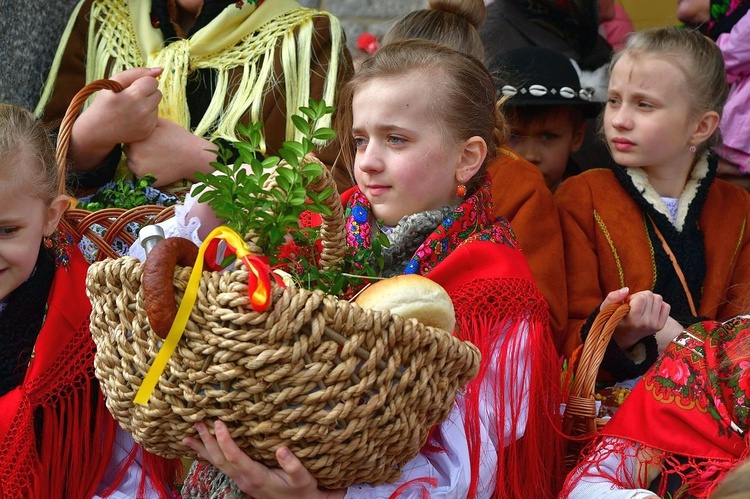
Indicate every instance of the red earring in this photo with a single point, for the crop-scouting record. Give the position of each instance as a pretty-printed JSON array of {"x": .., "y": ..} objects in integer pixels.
[
  {"x": 461, "y": 190},
  {"x": 47, "y": 242}
]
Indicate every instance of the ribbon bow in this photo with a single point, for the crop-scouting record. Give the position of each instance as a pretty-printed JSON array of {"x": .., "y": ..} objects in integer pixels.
[{"x": 258, "y": 288}]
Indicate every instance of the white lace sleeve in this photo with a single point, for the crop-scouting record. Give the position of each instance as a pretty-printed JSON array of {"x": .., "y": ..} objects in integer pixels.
[{"x": 177, "y": 226}]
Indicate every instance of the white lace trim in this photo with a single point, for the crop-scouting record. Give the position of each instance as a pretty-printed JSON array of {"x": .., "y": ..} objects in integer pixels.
[{"x": 176, "y": 226}]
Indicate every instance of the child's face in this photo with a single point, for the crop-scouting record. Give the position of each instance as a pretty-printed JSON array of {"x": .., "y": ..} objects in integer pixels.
[
  {"x": 647, "y": 120},
  {"x": 403, "y": 164},
  {"x": 547, "y": 143},
  {"x": 23, "y": 223}
]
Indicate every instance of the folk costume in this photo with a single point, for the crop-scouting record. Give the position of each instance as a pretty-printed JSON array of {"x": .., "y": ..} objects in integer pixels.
[
  {"x": 520, "y": 196},
  {"x": 609, "y": 220},
  {"x": 56, "y": 434},
  {"x": 498, "y": 441},
  {"x": 243, "y": 62},
  {"x": 682, "y": 428}
]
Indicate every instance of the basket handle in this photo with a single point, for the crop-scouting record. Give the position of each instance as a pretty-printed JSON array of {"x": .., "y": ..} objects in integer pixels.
[
  {"x": 595, "y": 346},
  {"x": 333, "y": 227},
  {"x": 66, "y": 127}
]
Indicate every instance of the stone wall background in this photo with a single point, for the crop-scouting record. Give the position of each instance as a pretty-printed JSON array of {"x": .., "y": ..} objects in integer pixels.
[{"x": 359, "y": 16}]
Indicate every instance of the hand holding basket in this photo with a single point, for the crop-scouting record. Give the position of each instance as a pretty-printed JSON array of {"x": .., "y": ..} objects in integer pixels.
[
  {"x": 581, "y": 421},
  {"x": 353, "y": 393}
]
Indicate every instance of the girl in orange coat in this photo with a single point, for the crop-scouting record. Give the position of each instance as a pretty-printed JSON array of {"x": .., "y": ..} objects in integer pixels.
[{"x": 659, "y": 230}]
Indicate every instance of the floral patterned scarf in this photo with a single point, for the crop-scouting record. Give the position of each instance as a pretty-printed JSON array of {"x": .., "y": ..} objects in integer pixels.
[
  {"x": 472, "y": 220},
  {"x": 692, "y": 405},
  {"x": 724, "y": 15}
]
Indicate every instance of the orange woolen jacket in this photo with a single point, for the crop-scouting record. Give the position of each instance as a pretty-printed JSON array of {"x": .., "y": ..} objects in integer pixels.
[
  {"x": 607, "y": 247},
  {"x": 520, "y": 195}
]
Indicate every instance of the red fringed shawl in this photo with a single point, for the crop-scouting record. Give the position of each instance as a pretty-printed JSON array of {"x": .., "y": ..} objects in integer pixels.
[
  {"x": 77, "y": 432},
  {"x": 478, "y": 261},
  {"x": 692, "y": 405}
]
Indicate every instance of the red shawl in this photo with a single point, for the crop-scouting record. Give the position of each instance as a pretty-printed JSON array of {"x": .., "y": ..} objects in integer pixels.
[
  {"x": 692, "y": 404},
  {"x": 477, "y": 260},
  {"x": 77, "y": 432}
]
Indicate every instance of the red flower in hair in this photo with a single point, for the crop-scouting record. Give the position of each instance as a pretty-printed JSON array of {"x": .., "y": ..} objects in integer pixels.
[{"x": 367, "y": 42}]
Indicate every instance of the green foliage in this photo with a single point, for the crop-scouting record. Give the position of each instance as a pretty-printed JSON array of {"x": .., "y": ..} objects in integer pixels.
[
  {"x": 122, "y": 194},
  {"x": 240, "y": 197},
  {"x": 355, "y": 269}
]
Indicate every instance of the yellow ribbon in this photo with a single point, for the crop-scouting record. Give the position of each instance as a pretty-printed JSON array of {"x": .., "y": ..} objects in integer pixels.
[{"x": 183, "y": 312}]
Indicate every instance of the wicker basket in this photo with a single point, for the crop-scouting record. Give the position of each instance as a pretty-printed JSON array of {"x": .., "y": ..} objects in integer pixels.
[
  {"x": 352, "y": 392},
  {"x": 112, "y": 221},
  {"x": 581, "y": 422}
]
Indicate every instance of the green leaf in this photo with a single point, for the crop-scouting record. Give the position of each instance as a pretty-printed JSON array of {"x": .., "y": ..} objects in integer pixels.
[
  {"x": 270, "y": 162},
  {"x": 301, "y": 124},
  {"x": 295, "y": 147},
  {"x": 307, "y": 146},
  {"x": 308, "y": 111},
  {"x": 289, "y": 156},
  {"x": 312, "y": 171},
  {"x": 324, "y": 134}
]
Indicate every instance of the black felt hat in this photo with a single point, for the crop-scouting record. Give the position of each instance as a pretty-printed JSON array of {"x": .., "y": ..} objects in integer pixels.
[{"x": 538, "y": 76}]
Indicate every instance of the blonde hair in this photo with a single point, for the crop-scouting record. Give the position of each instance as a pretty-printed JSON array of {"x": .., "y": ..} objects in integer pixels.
[
  {"x": 736, "y": 483},
  {"x": 466, "y": 106},
  {"x": 454, "y": 23},
  {"x": 699, "y": 59},
  {"x": 26, "y": 151}
]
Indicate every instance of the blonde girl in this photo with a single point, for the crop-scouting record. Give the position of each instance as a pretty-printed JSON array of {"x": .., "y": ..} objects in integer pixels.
[
  {"x": 420, "y": 125},
  {"x": 56, "y": 436},
  {"x": 659, "y": 230}
]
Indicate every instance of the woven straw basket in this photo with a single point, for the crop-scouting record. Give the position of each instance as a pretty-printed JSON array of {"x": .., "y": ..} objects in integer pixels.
[
  {"x": 353, "y": 393},
  {"x": 581, "y": 422}
]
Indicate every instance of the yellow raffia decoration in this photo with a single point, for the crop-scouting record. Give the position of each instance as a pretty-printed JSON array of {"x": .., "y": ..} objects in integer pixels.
[{"x": 239, "y": 44}]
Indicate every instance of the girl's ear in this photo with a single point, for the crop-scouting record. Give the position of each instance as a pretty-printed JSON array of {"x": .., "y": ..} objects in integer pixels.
[
  {"x": 472, "y": 158},
  {"x": 705, "y": 127},
  {"x": 55, "y": 210}
]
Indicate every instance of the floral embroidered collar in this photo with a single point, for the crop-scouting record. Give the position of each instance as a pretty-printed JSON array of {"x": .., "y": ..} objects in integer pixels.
[{"x": 472, "y": 220}]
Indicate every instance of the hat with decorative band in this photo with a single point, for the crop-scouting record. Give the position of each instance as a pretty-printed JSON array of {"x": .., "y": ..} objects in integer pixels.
[{"x": 538, "y": 76}]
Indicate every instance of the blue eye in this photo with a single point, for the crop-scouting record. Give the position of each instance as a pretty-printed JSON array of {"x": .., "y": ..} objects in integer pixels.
[
  {"x": 396, "y": 140},
  {"x": 8, "y": 231},
  {"x": 360, "y": 141},
  {"x": 612, "y": 101}
]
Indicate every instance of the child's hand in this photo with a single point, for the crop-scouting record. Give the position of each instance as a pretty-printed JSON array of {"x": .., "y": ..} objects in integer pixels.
[
  {"x": 117, "y": 117},
  {"x": 292, "y": 480},
  {"x": 170, "y": 153},
  {"x": 648, "y": 314}
]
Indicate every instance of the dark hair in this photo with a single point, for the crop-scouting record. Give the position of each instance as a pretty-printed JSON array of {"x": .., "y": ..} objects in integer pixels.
[
  {"x": 27, "y": 152},
  {"x": 454, "y": 23},
  {"x": 466, "y": 107},
  {"x": 516, "y": 115},
  {"x": 699, "y": 59}
]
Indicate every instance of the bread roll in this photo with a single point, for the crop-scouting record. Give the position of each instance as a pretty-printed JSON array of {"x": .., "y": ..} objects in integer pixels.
[{"x": 411, "y": 296}]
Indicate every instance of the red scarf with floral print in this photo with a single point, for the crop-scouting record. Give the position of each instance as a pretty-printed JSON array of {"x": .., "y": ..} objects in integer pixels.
[{"x": 692, "y": 405}]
